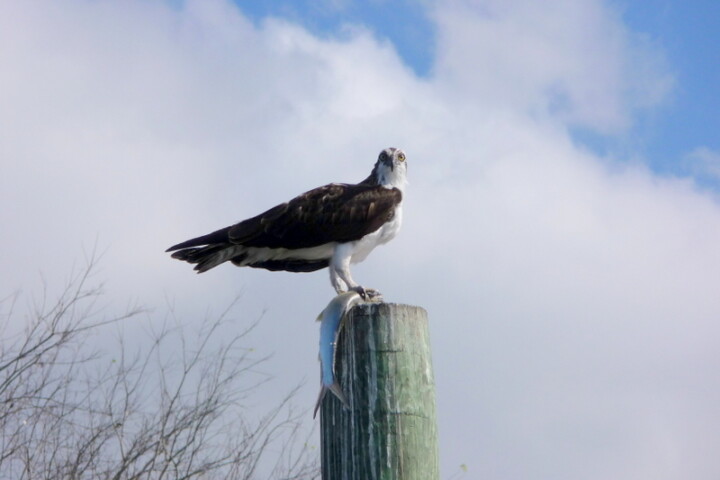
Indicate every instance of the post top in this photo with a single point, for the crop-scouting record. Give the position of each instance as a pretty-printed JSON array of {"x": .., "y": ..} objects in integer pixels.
[{"x": 384, "y": 308}]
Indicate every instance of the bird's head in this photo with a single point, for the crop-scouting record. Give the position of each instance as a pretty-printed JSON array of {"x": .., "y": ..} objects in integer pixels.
[{"x": 391, "y": 169}]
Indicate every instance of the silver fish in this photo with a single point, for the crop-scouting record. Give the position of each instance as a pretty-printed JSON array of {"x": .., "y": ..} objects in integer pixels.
[{"x": 330, "y": 323}]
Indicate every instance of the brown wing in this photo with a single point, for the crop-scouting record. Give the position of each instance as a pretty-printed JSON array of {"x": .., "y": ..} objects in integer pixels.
[{"x": 333, "y": 213}]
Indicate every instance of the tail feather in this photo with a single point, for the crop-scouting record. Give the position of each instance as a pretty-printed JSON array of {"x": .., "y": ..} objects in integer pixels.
[
  {"x": 211, "y": 239},
  {"x": 206, "y": 257}
]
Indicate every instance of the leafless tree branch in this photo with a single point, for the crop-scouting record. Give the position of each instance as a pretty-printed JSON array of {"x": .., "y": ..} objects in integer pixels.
[{"x": 169, "y": 405}]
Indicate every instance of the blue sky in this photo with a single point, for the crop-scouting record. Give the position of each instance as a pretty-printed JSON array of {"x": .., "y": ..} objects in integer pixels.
[
  {"x": 685, "y": 33},
  {"x": 404, "y": 23}
]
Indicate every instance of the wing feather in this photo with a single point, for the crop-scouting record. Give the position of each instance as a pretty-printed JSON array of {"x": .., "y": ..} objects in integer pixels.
[{"x": 332, "y": 213}]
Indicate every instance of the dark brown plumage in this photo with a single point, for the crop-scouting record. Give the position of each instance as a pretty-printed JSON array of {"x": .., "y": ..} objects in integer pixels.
[
  {"x": 303, "y": 234},
  {"x": 332, "y": 213}
]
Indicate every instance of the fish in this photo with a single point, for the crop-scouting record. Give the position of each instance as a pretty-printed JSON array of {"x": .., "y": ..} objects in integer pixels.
[{"x": 330, "y": 324}]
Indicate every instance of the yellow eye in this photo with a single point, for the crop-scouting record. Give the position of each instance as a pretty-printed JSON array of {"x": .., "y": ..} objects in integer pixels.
[{"x": 401, "y": 157}]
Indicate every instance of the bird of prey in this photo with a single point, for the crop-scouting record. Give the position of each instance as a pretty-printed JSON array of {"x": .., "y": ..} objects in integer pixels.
[{"x": 330, "y": 226}]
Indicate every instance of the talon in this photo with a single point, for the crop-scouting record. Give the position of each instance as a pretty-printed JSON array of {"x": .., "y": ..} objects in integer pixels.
[
  {"x": 367, "y": 294},
  {"x": 359, "y": 290}
]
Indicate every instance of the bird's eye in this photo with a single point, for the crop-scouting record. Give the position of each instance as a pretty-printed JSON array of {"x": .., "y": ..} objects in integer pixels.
[{"x": 401, "y": 157}]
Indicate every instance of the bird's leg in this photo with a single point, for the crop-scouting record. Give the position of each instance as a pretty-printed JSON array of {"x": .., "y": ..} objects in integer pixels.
[
  {"x": 341, "y": 278},
  {"x": 340, "y": 269},
  {"x": 365, "y": 293},
  {"x": 338, "y": 284}
]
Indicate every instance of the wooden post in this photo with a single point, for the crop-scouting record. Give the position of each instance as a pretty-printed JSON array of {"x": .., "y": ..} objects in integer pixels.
[{"x": 384, "y": 367}]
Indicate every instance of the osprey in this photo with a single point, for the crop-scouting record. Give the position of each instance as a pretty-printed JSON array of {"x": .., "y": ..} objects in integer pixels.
[{"x": 330, "y": 226}]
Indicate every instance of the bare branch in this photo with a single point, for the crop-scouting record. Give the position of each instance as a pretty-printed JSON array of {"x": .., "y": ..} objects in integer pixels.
[{"x": 168, "y": 405}]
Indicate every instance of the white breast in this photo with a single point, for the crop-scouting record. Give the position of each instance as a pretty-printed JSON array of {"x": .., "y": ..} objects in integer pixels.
[{"x": 363, "y": 247}]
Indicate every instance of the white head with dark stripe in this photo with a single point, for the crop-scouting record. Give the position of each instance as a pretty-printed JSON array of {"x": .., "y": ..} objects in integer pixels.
[{"x": 390, "y": 169}]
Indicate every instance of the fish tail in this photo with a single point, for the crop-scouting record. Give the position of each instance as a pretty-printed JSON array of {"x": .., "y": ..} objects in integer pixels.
[
  {"x": 336, "y": 389},
  {"x": 323, "y": 392}
]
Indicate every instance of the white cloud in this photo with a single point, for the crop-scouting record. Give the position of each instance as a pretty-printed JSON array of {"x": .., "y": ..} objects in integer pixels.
[
  {"x": 571, "y": 60},
  {"x": 573, "y": 305}
]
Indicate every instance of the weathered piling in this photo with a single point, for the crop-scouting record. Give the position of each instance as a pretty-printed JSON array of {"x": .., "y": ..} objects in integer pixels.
[{"x": 385, "y": 369}]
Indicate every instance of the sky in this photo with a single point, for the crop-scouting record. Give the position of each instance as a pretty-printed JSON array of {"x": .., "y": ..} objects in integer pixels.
[{"x": 561, "y": 225}]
